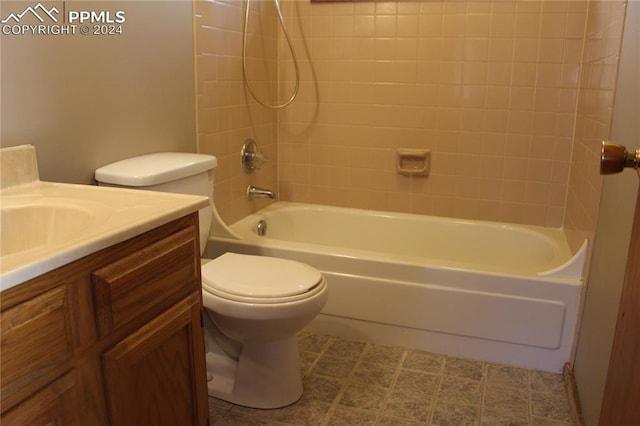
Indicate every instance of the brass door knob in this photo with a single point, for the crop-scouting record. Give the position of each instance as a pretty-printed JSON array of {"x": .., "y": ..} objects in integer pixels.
[{"x": 614, "y": 158}]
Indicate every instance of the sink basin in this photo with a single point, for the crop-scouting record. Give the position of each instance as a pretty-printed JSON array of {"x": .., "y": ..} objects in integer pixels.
[{"x": 32, "y": 226}]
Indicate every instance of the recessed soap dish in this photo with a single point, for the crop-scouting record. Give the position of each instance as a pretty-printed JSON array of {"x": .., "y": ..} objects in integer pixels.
[{"x": 412, "y": 161}]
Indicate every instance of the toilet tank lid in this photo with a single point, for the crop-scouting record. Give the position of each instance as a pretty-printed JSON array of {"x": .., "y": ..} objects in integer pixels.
[{"x": 155, "y": 169}]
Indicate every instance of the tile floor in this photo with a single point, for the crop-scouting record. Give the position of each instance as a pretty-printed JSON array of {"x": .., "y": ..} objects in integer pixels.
[{"x": 350, "y": 382}]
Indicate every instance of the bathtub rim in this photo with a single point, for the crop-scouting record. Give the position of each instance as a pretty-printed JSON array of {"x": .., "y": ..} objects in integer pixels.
[
  {"x": 343, "y": 263},
  {"x": 572, "y": 270}
]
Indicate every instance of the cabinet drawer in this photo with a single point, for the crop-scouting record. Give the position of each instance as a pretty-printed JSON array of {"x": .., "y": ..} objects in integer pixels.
[
  {"x": 147, "y": 281},
  {"x": 36, "y": 343}
]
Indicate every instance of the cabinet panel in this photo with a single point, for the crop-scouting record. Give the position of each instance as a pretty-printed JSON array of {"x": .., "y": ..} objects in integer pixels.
[
  {"x": 54, "y": 405},
  {"x": 146, "y": 280},
  {"x": 36, "y": 342},
  {"x": 155, "y": 376},
  {"x": 135, "y": 306}
]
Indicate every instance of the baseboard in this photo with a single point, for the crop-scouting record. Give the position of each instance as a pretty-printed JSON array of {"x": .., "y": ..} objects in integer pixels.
[{"x": 572, "y": 392}]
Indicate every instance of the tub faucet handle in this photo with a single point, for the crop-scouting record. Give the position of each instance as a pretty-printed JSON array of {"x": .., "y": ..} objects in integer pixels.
[{"x": 251, "y": 158}]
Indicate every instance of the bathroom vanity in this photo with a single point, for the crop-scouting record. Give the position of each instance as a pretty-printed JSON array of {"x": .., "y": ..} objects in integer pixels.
[
  {"x": 100, "y": 303},
  {"x": 114, "y": 337}
]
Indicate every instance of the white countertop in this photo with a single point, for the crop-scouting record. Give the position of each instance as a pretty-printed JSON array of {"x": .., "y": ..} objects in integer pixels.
[{"x": 91, "y": 218}]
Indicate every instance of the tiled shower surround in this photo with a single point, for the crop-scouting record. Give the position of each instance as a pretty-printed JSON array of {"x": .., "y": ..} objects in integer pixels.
[
  {"x": 349, "y": 382},
  {"x": 489, "y": 87},
  {"x": 512, "y": 97}
]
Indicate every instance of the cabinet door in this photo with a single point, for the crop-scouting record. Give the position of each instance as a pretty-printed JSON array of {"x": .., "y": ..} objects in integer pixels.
[
  {"x": 54, "y": 405},
  {"x": 157, "y": 375},
  {"x": 36, "y": 342}
]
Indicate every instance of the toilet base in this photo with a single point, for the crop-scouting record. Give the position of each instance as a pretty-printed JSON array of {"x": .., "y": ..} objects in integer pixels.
[{"x": 266, "y": 374}]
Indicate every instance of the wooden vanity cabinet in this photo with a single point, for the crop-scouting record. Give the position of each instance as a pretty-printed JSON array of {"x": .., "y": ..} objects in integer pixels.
[{"x": 113, "y": 338}]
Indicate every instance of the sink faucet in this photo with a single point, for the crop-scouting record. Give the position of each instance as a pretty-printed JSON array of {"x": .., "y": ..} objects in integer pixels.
[{"x": 255, "y": 192}]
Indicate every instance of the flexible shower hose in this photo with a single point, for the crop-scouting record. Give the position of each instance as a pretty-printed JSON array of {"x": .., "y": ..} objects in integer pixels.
[{"x": 291, "y": 49}]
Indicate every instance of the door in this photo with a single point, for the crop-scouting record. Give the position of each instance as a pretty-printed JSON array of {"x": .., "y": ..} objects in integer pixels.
[{"x": 622, "y": 390}]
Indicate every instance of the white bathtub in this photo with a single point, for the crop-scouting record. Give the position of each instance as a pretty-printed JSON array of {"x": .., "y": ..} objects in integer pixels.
[{"x": 491, "y": 291}]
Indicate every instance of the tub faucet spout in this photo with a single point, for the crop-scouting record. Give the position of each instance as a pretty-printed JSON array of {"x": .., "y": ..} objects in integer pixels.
[{"x": 255, "y": 192}]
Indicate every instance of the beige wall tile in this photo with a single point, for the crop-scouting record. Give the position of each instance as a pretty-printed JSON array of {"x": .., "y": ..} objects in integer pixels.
[
  {"x": 593, "y": 117},
  {"x": 226, "y": 118},
  {"x": 491, "y": 87}
]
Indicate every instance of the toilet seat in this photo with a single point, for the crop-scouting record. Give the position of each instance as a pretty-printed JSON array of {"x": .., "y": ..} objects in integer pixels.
[{"x": 260, "y": 279}]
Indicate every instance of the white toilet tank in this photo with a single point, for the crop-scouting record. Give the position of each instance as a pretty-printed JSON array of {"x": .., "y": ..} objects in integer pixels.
[{"x": 177, "y": 172}]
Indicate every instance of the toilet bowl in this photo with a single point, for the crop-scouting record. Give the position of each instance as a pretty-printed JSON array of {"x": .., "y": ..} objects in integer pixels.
[
  {"x": 262, "y": 303},
  {"x": 255, "y": 305}
]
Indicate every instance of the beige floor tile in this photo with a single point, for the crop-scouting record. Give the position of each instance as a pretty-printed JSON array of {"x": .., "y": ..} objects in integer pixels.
[
  {"x": 343, "y": 416},
  {"x": 306, "y": 411},
  {"x": 345, "y": 348},
  {"x": 313, "y": 342},
  {"x": 307, "y": 360},
  {"x": 455, "y": 414},
  {"x": 460, "y": 390},
  {"x": 546, "y": 422},
  {"x": 417, "y": 383},
  {"x": 408, "y": 406},
  {"x": 239, "y": 419},
  {"x": 506, "y": 376},
  {"x": 334, "y": 366},
  {"x": 507, "y": 400},
  {"x": 545, "y": 382},
  {"x": 463, "y": 367},
  {"x": 491, "y": 417},
  {"x": 553, "y": 406},
  {"x": 364, "y": 397},
  {"x": 325, "y": 389},
  {"x": 374, "y": 374},
  {"x": 396, "y": 421},
  {"x": 386, "y": 355},
  {"x": 423, "y": 361}
]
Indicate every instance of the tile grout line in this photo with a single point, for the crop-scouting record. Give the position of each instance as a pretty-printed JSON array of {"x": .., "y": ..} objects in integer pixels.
[
  {"x": 437, "y": 393},
  {"x": 392, "y": 385},
  {"x": 335, "y": 403},
  {"x": 484, "y": 384}
]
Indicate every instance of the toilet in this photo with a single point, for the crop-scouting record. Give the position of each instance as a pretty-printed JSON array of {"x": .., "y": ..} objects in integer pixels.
[{"x": 255, "y": 305}]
